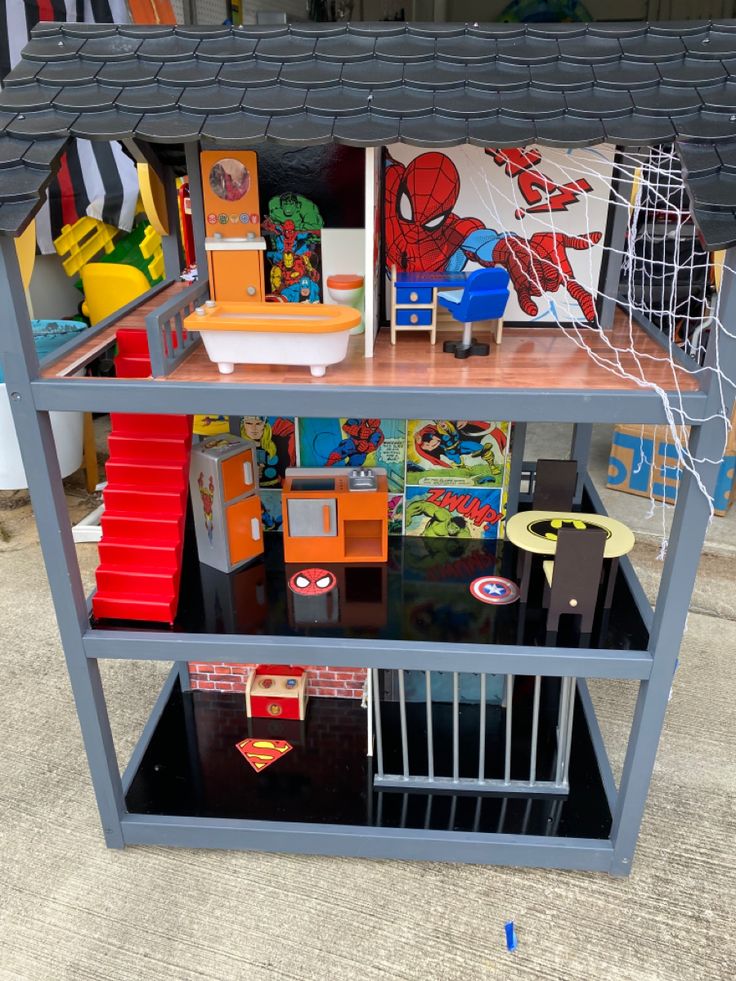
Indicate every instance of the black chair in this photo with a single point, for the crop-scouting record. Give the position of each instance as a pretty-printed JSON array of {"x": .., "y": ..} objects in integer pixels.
[
  {"x": 573, "y": 579},
  {"x": 554, "y": 485},
  {"x": 554, "y": 490}
]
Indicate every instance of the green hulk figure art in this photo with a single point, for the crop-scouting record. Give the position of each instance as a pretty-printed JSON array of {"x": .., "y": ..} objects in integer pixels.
[
  {"x": 441, "y": 524},
  {"x": 295, "y": 207}
]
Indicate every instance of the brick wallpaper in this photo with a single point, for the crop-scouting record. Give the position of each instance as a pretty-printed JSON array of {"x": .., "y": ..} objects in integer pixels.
[{"x": 327, "y": 682}]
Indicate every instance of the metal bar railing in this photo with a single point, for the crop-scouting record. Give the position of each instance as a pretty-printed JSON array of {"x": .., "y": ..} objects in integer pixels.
[
  {"x": 430, "y": 725},
  {"x": 404, "y": 732},
  {"x": 482, "y": 730},
  {"x": 568, "y": 733},
  {"x": 553, "y": 762},
  {"x": 455, "y": 726},
  {"x": 509, "y": 725},
  {"x": 562, "y": 729},
  {"x": 535, "y": 730},
  {"x": 379, "y": 735}
]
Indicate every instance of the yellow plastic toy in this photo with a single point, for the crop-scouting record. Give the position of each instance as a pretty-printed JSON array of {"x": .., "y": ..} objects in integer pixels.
[
  {"x": 153, "y": 196},
  {"x": 134, "y": 263},
  {"x": 82, "y": 241},
  {"x": 109, "y": 286},
  {"x": 25, "y": 246}
]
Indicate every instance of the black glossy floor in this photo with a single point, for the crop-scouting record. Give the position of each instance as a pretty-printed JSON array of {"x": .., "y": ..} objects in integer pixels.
[
  {"x": 420, "y": 594},
  {"x": 192, "y": 768}
]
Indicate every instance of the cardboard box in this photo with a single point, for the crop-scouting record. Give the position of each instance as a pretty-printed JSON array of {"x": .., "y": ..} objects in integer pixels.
[{"x": 643, "y": 461}]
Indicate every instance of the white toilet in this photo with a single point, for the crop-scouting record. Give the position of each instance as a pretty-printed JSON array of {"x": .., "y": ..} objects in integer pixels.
[{"x": 347, "y": 289}]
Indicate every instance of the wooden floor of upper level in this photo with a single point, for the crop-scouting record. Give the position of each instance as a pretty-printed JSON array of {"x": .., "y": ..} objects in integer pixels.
[{"x": 625, "y": 358}]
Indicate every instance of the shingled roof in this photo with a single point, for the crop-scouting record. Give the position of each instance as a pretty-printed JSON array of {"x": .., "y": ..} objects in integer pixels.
[{"x": 368, "y": 84}]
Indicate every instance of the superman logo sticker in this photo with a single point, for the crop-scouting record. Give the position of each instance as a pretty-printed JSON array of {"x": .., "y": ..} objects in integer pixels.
[{"x": 261, "y": 753}]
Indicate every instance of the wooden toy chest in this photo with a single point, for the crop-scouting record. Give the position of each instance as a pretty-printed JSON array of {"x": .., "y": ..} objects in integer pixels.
[{"x": 276, "y": 691}]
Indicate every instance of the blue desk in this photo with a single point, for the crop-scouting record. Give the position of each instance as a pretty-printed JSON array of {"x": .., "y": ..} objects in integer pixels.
[
  {"x": 435, "y": 280},
  {"x": 414, "y": 299}
]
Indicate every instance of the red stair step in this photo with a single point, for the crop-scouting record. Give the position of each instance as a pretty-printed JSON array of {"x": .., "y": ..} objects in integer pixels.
[
  {"x": 132, "y": 340},
  {"x": 121, "y": 607},
  {"x": 145, "y": 531},
  {"x": 143, "y": 585},
  {"x": 146, "y": 504},
  {"x": 129, "y": 556},
  {"x": 132, "y": 367},
  {"x": 143, "y": 476},
  {"x": 135, "y": 449},
  {"x": 134, "y": 424}
]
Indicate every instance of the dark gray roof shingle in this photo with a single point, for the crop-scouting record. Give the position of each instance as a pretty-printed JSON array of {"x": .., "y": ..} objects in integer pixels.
[{"x": 363, "y": 84}]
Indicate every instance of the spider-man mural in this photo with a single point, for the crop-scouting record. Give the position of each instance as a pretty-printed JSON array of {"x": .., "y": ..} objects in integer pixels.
[
  {"x": 423, "y": 233},
  {"x": 363, "y": 436}
]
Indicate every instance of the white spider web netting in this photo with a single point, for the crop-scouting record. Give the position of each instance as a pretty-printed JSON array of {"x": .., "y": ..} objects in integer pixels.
[{"x": 666, "y": 278}]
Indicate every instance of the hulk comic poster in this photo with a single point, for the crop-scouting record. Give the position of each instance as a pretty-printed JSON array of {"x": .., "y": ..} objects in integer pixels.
[{"x": 453, "y": 512}]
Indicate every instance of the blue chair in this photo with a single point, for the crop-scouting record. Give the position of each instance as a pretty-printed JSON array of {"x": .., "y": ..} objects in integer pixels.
[{"x": 484, "y": 297}]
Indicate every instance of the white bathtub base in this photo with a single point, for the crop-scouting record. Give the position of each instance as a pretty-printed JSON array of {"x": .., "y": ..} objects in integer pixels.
[{"x": 314, "y": 351}]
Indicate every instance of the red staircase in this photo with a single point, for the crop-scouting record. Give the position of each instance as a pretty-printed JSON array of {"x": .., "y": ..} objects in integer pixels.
[{"x": 145, "y": 504}]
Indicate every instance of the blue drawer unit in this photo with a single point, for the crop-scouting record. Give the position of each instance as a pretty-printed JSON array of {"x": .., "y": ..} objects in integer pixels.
[
  {"x": 414, "y": 318},
  {"x": 410, "y": 296}
]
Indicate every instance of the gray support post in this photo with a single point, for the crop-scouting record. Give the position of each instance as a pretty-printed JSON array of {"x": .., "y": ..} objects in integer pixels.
[
  {"x": 196, "y": 199},
  {"x": 41, "y": 464},
  {"x": 692, "y": 515},
  {"x": 183, "y": 672},
  {"x": 517, "y": 462},
  {"x": 171, "y": 243},
  {"x": 615, "y": 254},
  {"x": 582, "y": 436}
]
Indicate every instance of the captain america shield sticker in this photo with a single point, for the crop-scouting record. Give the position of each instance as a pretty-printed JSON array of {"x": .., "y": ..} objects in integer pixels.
[{"x": 494, "y": 590}]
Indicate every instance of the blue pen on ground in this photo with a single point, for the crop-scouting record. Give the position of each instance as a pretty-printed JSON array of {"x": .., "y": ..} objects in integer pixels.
[{"x": 512, "y": 941}]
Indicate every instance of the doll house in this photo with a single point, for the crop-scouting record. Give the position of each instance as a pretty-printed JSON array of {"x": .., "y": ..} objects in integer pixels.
[{"x": 349, "y": 150}]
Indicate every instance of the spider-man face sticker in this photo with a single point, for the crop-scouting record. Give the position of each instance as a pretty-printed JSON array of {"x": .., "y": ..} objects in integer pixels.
[{"x": 312, "y": 582}]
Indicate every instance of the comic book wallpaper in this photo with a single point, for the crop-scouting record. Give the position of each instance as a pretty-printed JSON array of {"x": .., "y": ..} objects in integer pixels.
[
  {"x": 292, "y": 229},
  {"x": 275, "y": 438},
  {"x": 447, "y": 478},
  {"x": 457, "y": 452},
  {"x": 453, "y": 512},
  {"x": 538, "y": 212},
  {"x": 355, "y": 443}
]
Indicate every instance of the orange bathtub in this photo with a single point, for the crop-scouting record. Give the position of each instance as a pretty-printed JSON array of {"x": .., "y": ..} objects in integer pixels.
[{"x": 311, "y": 334}]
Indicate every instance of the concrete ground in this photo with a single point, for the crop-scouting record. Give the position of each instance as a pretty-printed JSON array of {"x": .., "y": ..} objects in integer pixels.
[{"x": 70, "y": 909}]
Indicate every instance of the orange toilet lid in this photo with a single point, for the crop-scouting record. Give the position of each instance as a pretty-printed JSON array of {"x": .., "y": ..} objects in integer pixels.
[{"x": 345, "y": 281}]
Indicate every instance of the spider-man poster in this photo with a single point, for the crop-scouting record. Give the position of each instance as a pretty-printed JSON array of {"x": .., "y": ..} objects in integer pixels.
[
  {"x": 537, "y": 212},
  {"x": 354, "y": 443}
]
